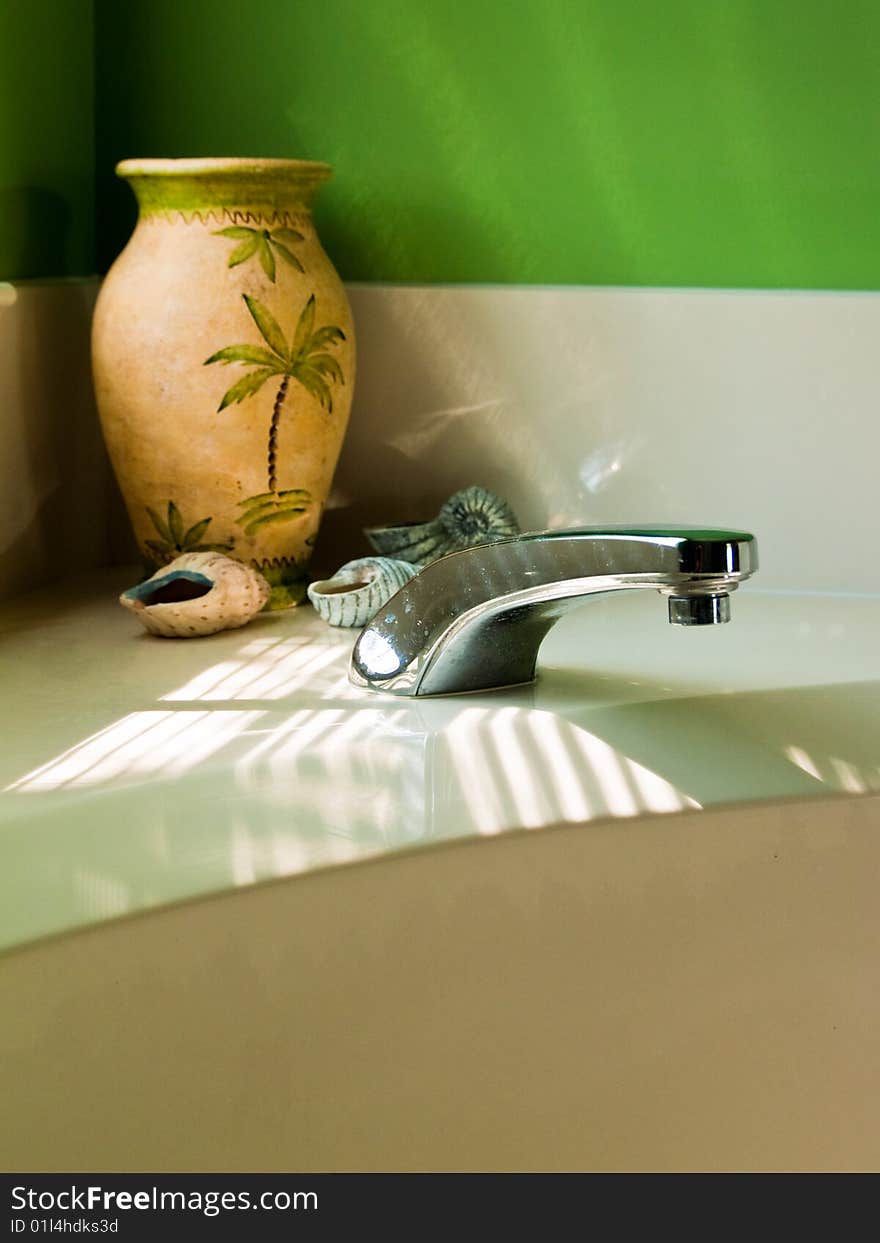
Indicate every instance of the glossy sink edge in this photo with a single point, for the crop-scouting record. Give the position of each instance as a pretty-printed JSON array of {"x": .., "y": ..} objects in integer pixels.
[
  {"x": 692, "y": 816},
  {"x": 677, "y": 993}
]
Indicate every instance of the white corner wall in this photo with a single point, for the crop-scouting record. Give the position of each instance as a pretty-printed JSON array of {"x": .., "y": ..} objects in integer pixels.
[
  {"x": 580, "y": 405},
  {"x": 749, "y": 409}
]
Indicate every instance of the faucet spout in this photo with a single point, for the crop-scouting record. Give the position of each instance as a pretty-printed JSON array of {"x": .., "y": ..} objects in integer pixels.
[{"x": 474, "y": 620}]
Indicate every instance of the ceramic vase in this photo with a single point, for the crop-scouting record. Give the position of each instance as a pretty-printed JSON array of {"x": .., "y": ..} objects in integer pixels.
[{"x": 223, "y": 355}]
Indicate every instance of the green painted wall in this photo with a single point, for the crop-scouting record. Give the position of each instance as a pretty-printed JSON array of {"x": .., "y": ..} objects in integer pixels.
[
  {"x": 679, "y": 142},
  {"x": 47, "y": 144},
  {"x": 682, "y": 142}
]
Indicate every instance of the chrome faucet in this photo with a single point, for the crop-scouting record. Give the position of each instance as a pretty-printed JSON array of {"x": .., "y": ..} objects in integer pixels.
[{"x": 474, "y": 620}]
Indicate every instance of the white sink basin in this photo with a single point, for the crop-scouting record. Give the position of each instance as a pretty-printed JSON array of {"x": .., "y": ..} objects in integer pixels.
[
  {"x": 638, "y": 985},
  {"x": 139, "y": 771}
]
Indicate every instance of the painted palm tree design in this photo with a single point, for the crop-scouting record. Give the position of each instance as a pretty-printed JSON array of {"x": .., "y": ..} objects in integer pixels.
[
  {"x": 258, "y": 511},
  {"x": 265, "y": 244},
  {"x": 305, "y": 359},
  {"x": 175, "y": 538}
]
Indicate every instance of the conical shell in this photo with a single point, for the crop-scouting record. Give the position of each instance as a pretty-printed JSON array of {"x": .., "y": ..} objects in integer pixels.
[
  {"x": 358, "y": 589},
  {"x": 197, "y": 594},
  {"x": 415, "y": 542}
]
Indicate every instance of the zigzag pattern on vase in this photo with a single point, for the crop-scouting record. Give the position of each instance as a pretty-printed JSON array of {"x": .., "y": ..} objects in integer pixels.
[
  {"x": 287, "y": 579},
  {"x": 223, "y": 216},
  {"x": 278, "y": 564}
]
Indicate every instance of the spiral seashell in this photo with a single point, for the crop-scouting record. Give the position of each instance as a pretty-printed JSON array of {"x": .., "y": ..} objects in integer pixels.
[
  {"x": 358, "y": 589},
  {"x": 197, "y": 594},
  {"x": 415, "y": 542},
  {"x": 477, "y": 516},
  {"x": 470, "y": 517}
]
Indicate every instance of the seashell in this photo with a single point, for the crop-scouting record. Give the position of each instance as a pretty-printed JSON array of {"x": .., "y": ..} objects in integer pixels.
[
  {"x": 415, "y": 542},
  {"x": 358, "y": 589},
  {"x": 470, "y": 517},
  {"x": 477, "y": 516},
  {"x": 197, "y": 594}
]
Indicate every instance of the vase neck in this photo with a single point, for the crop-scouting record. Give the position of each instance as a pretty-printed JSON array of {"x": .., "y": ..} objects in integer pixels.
[{"x": 258, "y": 187}]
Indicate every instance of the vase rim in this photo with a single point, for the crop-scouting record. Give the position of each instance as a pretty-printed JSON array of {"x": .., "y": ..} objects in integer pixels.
[
  {"x": 197, "y": 187},
  {"x": 209, "y": 166}
]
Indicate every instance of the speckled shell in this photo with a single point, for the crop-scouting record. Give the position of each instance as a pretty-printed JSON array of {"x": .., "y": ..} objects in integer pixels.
[
  {"x": 358, "y": 589},
  {"x": 470, "y": 517},
  {"x": 234, "y": 594}
]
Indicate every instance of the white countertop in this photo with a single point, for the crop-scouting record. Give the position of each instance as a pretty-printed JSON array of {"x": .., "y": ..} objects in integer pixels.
[{"x": 138, "y": 771}]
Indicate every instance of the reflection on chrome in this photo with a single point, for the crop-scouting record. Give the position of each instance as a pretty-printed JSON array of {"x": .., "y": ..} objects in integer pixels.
[{"x": 381, "y": 654}]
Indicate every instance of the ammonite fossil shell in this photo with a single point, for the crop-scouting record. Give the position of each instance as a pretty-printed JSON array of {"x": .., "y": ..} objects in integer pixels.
[{"x": 470, "y": 517}]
